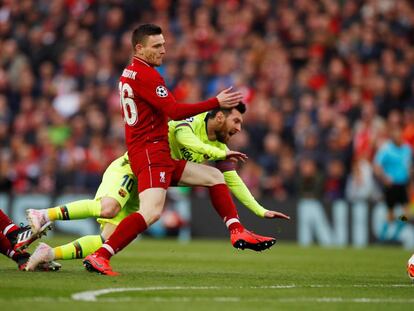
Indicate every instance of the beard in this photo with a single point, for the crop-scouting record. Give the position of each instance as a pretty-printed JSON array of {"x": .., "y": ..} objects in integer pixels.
[
  {"x": 221, "y": 136},
  {"x": 153, "y": 60}
]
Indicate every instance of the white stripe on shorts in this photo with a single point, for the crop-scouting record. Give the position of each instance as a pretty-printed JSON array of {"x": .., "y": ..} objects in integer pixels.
[{"x": 149, "y": 167}]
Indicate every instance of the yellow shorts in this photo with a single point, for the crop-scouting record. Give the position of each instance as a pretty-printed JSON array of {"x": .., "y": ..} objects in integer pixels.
[{"x": 119, "y": 183}]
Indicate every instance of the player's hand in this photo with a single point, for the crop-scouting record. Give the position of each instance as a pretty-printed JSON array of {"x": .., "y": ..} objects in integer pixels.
[
  {"x": 236, "y": 156},
  {"x": 273, "y": 214},
  {"x": 228, "y": 98}
]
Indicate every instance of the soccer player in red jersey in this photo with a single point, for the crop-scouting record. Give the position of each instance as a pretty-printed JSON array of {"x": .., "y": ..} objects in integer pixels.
[
  {"x": 8, "y": 235},
  {"x": 147, "y": 104},
  {"x": 14, "y": 238}
]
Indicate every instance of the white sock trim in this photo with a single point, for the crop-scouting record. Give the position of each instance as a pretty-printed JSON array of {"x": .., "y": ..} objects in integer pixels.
[
  {"x": 231, "y": 221},
  {"x": 11, "y": 253},
  {"x": 6, "y": 230},
  {"x": 109, "y": 249}
]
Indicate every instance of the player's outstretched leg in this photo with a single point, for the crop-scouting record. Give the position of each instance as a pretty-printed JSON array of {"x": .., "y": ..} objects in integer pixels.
[
  {"x": 243, "y": 238},
  {"x": 74, "y": 210},
  {"x": 44, "y": 255},
  {"x": 240, "y": 237}
]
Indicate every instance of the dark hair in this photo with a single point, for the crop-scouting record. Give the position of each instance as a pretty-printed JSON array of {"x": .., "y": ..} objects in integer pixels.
[
  {"x": 241, "y": 107},
  {"x": 141, "y": 33}
]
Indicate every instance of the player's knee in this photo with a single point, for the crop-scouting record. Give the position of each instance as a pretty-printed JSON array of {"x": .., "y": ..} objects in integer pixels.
[
  {"x": 109, "y": 207},
  {"x": 215, "y": 177},
  {"x": 151, "y": 214},
  {"x": 151, "y": 217}
]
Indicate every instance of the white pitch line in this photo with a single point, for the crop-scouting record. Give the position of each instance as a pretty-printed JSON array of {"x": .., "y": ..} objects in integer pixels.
[
  {"x": 93, "y": 294},
  {"x": 220, "y": 299}
]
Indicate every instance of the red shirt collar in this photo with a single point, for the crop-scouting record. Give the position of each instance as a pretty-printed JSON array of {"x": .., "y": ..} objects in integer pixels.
[{"x": 137, "y": 59}]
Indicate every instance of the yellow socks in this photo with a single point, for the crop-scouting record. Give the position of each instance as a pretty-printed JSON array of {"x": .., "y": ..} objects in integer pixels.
[
  {"x": 75, "y": 210},
  {"x": 79, "y": 248}
]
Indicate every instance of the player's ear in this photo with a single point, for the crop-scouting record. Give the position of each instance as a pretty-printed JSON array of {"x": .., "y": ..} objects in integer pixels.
[
  {"x": 220, "y": 117},
  {"x": 138, "y": 48}
]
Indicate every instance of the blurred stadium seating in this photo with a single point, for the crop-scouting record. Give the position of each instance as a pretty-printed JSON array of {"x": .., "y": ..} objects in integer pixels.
[{"x": 323, "y": 80}]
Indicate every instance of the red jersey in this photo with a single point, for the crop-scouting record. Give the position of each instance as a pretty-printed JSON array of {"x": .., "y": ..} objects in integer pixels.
[{"x": 147, "y": 104}]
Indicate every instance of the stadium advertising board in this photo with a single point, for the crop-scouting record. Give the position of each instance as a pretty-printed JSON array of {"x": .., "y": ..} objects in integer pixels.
[{"x": 312, "y": 222}]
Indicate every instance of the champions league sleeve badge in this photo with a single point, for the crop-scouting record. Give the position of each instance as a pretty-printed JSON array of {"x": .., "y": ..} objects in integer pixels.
[{"x": 161, "y": 91}]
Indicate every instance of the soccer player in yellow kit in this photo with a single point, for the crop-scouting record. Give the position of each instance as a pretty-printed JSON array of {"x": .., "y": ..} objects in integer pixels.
[{"x": 198, "y": 139}]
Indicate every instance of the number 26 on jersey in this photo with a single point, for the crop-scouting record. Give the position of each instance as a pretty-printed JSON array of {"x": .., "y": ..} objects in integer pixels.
[{"x": 128, "y": 106}]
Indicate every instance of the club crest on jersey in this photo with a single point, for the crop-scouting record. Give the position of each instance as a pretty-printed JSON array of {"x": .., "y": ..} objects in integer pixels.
[
  {"x": 162, "y": 177},
  {"x": 161, "y": 91},
  {"x": 122, "y": 193}
]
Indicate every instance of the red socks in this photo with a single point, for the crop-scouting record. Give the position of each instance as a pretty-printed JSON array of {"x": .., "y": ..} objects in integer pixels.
[
  {"x": 134, "y": 224},
  {"x": 224, "y": 205},
  {"x": 6, "y": 224},
  {"x": 125, "y": 233},
  {"x": 5, "y": 246}
]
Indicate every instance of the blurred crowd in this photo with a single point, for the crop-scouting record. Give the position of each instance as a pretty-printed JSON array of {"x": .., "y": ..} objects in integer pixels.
[{"x": 324, "y": 81}]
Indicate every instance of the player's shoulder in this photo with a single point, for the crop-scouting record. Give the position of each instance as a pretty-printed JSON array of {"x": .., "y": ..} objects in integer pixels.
[
  {"x": 144, "y": 70},
  {"x": 200, "y": 118},
  {"x": 194, "y": 122},
  {"x": 181, "y": 124},
  {"x": 191, "y": 121},
  {"x": 130, "y": 73},
  {"x": 140, "y": 71}
]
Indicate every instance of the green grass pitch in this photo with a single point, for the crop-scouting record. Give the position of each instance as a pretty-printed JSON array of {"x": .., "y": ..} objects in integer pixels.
[{"x": 211, "y": 275}]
